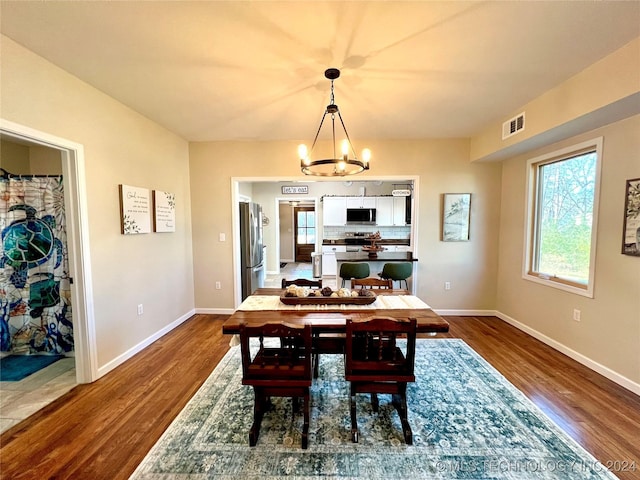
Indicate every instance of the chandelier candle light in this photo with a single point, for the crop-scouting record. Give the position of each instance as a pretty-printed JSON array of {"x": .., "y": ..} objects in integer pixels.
[{"x": 336, "y": 166}]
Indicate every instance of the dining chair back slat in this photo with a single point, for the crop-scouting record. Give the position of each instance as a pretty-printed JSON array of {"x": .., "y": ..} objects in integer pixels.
[{"x": 302, "y": 282}]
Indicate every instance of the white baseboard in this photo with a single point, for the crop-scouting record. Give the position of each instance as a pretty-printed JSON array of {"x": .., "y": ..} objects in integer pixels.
[
  {"x": 120, "y": 359},
  {"x": 215, "y": 311},
  {"x": 468, "y": 313},
  {"x": 578, "y": 357}
]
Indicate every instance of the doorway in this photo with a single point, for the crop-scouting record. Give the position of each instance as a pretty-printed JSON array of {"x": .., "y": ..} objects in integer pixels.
[
  {"x": 75, "y": 201},
  {"x": 304, "y": 233}
]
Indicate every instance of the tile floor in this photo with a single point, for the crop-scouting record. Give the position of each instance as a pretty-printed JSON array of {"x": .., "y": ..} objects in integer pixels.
[
  {"x": 293, "y": 271},
  {"x": 18, "y": 400}
]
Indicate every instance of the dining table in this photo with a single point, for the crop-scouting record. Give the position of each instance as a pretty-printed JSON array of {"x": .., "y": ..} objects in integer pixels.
[{"x": 265, "y": 306}]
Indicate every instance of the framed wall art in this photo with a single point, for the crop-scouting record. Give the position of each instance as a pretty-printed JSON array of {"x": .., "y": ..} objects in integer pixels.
[
  {"x": 164, "y": 211},
  {"x": 631, "y": 225},
  {"x": 135, "y": 210},
  {"x": 456, "y": 208}
]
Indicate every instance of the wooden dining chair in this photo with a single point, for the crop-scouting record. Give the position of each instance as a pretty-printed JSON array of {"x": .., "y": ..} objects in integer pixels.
[
  {"x": 371, "y": 282},
  {"x": 375, "y": 363},
  {"x": 302, "y": 282},
  {"x": 282, "y": 370}
]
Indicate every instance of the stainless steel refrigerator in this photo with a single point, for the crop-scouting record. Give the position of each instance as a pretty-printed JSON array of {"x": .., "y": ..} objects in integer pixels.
[{"x": 251, "y": 252}]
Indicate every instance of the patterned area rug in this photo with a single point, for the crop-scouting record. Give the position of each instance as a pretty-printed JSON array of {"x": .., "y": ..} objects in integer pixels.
[{"x": 468, "y": 422}]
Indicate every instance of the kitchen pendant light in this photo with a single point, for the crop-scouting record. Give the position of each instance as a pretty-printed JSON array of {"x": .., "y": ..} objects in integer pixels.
[{"x": 338, "y": 166}]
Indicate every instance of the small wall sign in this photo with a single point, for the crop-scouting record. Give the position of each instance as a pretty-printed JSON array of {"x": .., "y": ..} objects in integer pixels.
[
  {"x": 164, "y": 211},
  {"x": 135, "y": 210},
  {"x": 295, "y": 189}
]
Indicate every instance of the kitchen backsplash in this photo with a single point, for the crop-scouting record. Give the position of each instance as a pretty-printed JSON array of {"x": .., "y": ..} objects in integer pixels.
[{"x": 330, "y": 233}]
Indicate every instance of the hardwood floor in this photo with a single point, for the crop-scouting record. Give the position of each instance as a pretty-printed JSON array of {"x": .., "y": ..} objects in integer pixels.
[{"x": 103, "y": 430}]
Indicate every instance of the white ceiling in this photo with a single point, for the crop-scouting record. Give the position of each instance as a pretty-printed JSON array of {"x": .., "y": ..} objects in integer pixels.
[{"x": 229, "y": 70}]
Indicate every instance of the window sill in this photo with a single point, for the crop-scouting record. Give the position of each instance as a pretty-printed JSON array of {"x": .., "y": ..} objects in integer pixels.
[{"x": 584, "y": 292}]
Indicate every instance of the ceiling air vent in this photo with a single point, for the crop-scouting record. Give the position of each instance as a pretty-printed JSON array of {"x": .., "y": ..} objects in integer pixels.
[{"x": 513, "y": 126}]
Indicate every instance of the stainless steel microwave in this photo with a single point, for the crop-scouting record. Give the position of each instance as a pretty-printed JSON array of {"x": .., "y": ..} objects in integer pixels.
[{"x": 366, "y": 216}]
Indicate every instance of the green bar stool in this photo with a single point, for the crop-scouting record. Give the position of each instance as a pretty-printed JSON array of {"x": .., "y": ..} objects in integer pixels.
[
  {"x": 397, "y": 271},
  {"x": 354, "y": 270}
]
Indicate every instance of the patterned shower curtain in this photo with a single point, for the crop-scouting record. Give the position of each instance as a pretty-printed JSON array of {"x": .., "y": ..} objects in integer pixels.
[{"x": 35, "y": 300}]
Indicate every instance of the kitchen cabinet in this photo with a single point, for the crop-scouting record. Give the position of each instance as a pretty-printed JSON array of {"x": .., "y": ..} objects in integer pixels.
[
  {"x": 390, "y": 211},
  {"x": 397, "y": 248},
  {"x": 334, "y": 211},
  {"x": 329, "y": 265},
  {"x": 361, "y": 202},
  {"x": 384, "y": 211},
  {"x": 399, "y": 211}
]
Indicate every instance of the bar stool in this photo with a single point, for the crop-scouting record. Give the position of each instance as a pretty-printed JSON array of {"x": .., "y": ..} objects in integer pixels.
[
  {"x": 397, "y": 271},
  {"x": 354, "y": 270}
]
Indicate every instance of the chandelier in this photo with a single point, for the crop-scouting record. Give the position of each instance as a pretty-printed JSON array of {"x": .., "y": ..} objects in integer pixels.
[{"x": 338, "y": 166}]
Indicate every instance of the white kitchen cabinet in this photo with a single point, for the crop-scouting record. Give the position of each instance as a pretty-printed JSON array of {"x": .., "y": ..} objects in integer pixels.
[
  {"x": 397, "y": 248},
  {"x": 334, "y": 211},
  {"x": 329, "y": 265},
  {"x": 399, "y": 211},
  {"x": 384, "y": 211},
  {"x": 361, "y": 202}
]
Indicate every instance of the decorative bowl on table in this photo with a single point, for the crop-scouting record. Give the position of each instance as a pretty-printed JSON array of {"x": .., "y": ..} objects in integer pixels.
[{"x": 326, "y": 296}]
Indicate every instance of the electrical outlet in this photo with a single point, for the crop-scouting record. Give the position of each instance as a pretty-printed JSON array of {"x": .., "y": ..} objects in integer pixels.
[
  {"x": 140, "y": 309},
  {"x": 447, "y": 285},
  {"x": 218, "y": 285},
  {"x": 576, "y": 314},
  {"x": 222, "y": 237}
]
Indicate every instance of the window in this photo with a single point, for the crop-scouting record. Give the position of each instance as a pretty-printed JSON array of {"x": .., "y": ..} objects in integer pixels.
[
  {"x": 562, "y": 215},
  {"x": 305, "y": 226}
]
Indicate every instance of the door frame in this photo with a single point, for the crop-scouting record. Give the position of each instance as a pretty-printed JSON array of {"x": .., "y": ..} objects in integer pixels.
[{"x": 76, "y": 213}]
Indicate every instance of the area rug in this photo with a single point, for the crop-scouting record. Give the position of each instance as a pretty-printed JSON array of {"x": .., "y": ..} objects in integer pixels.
[
  {"x": 14, "y": 368},
  {"x": 468, "y": 422}
]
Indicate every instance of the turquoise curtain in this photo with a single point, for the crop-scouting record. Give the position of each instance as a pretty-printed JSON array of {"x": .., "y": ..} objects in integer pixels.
[{"x": 35, "y": 295}]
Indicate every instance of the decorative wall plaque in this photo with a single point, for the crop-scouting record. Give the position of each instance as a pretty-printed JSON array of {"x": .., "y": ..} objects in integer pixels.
[
  {"x": 164, "y": 211},
  {"x": 135, "y": 210}
]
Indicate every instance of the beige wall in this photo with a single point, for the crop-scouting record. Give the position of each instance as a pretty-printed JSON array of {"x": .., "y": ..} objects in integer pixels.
[
  {"x": 14, "y": 158},
  {"x": 120, "y": 147},
  {"x": 30, "y": 159},
  {"x": 609, "y": 330},
  {"x": 443, "y": 166}
]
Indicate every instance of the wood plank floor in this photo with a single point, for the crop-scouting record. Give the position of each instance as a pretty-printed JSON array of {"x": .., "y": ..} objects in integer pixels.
[{"x": 103, "y": 430}]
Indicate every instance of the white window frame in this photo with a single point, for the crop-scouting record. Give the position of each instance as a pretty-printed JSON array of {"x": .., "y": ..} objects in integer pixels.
[{"x": 530, "y": 217}]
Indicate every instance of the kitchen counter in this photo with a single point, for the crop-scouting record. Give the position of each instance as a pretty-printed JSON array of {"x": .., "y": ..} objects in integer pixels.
[
  {"x": 376, "y": 264},
  {"x": 382, "y": 257},
  {"x": 383, "y": 241}
]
